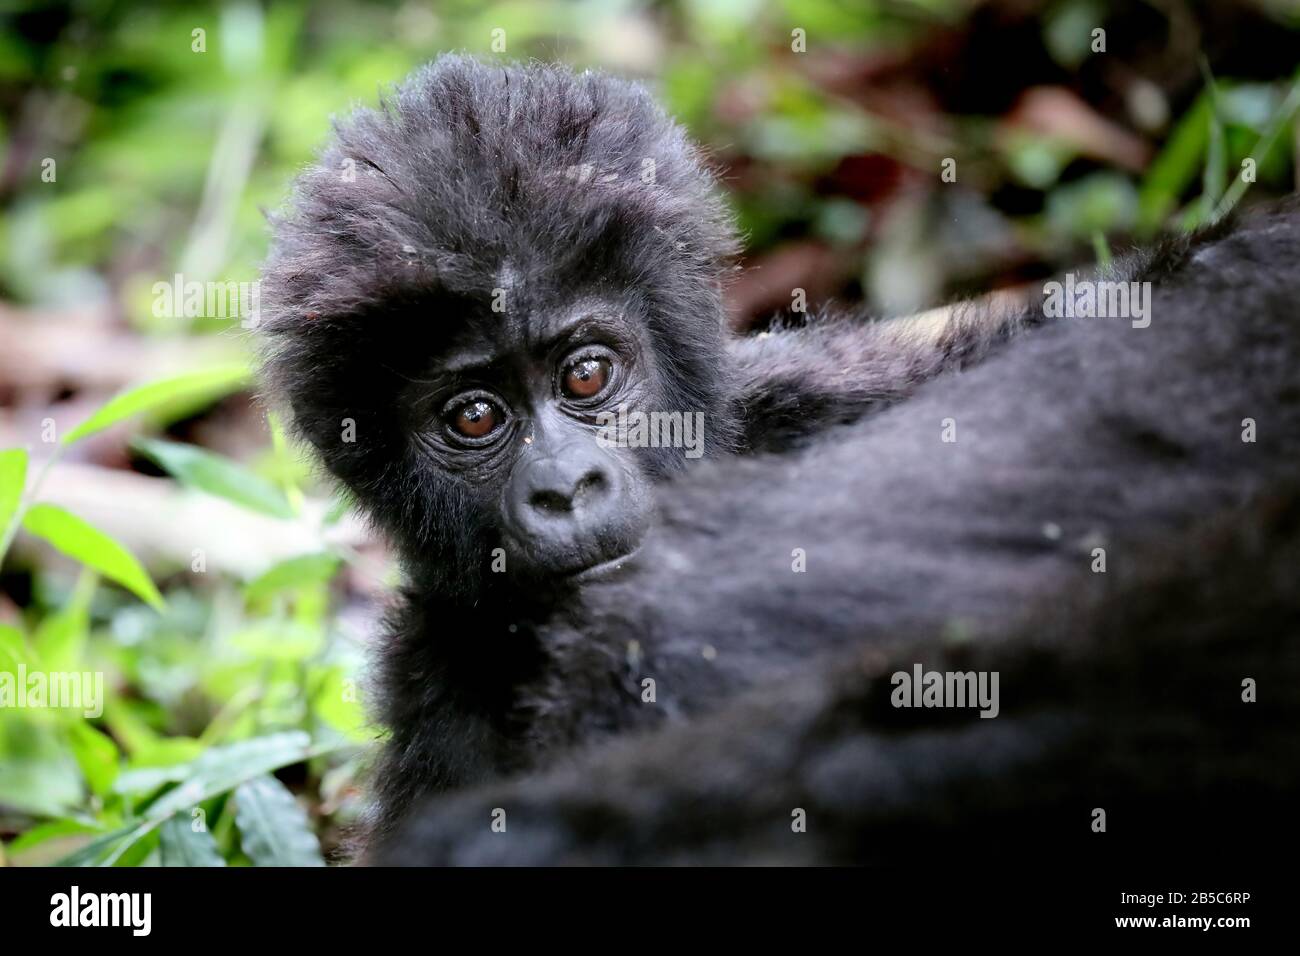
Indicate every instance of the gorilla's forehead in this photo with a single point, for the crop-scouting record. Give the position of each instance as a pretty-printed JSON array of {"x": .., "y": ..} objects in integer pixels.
[{"x": 525, "y": 332}]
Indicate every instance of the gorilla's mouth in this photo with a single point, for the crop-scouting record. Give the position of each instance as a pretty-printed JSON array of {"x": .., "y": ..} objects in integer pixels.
[{"x": 602, "y": 570}]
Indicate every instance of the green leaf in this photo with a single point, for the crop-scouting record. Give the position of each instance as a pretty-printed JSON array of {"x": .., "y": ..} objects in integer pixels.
[
  {"x": 13, "y": 478},
  {"x": 1176, "y": 166},
  {"x": 53, "y": 830},
  {"x": 140, "y": 850},
  {"x": 96, "y": 754},
  {"x": 213, "y": 382},
  {"x": 1214, "y": 177},
  {"x": 224, "y": 768},
  {"x": 214, "y": 772},
  {"x": 80, "y": 540},
  {"x": 217, "y": 475},
  {"x": 148, "y": 779},
  {"x": 182, "y": 845},
  {"x": 273, "y": 829},
  {"x": 102, "y": 849},
  {"x": 292, "y": 573}
]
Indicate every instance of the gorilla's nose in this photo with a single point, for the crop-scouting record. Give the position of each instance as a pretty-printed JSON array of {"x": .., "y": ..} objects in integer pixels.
[
  {"x": 573, "y": 510},
  {"x": 569, "y": 493},
  {"x": 558, "y": 486}
]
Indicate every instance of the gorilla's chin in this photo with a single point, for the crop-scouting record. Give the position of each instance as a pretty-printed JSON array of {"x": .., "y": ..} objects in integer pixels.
[
  {"x": 542, "y": 566},
  {"x": 605, "y": 570}
]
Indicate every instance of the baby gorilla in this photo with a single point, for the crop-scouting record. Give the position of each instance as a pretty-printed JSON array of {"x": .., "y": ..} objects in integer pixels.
[{"x": 466, "y": 286}]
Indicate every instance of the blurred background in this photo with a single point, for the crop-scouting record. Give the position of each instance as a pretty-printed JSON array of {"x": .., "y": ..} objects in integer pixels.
[{"x": 157, "y": 529}]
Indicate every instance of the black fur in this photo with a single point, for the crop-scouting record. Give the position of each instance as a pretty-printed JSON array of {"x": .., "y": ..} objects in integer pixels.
[
  {"x": 1121, "y": 690},
  {"x": 1087, "y": 433},
  {"x": 1123, "y": 696},
  {"x": 474, "y": 178},
  {"x": 471, "y": 177}
]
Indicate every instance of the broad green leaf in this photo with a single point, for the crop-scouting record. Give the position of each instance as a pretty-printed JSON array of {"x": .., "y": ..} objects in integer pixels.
[
  {"x": 214, "y": 772},
  {"x": 125, "y": 846},
  {"x": 273, "y": 829},
  {"x": 224, "y": 768},
  {"x": 217, "y": 475},
  {"x": 213, "y": 382},
  {"x": 53, "y": 830},
  {"x": 104, "y": 848},
  {"x": 182, "y": 845},
  {"x": 140, "y": 850},
  {"x": 292, "y": 573},
  {"x": 13, "y": 478},
  {"x": 96, "y": 754},
  {"x": 83, "y": 541},
  {"x": 148, "y": 779}
]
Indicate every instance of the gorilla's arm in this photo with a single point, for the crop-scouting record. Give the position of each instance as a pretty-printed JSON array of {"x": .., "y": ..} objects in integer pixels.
[
  {"x": 795, "y": 381},
  {"x": 1126, "y": 698}
]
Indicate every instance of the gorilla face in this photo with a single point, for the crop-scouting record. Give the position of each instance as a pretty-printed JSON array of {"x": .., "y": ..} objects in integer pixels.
[
  {"x": 467, "y": 279},
  {"x": 511, "y": 412}
]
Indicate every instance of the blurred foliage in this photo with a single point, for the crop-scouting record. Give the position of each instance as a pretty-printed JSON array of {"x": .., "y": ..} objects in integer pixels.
[
  {"x": 231, "y": 725},
  {"x": 201, "y": 696}
]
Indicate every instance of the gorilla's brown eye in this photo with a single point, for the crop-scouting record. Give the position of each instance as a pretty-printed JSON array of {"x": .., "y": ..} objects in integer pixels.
[
  {"x": 476, "y": 418},
  {"x": 586, "y": 377}
]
